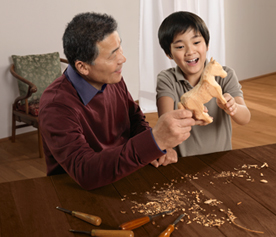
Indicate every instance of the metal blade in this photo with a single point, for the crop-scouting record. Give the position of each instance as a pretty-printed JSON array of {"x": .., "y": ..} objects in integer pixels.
[
  {"x": 80, "y": 232},
  {"x": 65, "y": 210},
  {"x": 161, "y": 213},
  {"x": 179, "y": 218}
]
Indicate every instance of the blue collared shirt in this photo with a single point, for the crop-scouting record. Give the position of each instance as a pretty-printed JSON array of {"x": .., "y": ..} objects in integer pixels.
[{"x": 85, "y": 90}]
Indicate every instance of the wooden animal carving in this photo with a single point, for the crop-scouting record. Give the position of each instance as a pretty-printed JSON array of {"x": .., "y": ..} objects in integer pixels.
[{"x": 203, "y": 92}]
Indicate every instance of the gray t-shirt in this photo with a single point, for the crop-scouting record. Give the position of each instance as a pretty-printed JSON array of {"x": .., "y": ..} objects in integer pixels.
[{"x": 213, "y": 137}]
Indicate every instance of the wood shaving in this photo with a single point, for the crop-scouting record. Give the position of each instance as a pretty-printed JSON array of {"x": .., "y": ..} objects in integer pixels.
[
  {"x": 264, "y": 165},
  {"x": 232, "y": 219},
  {"x": 240, "y": 173}
]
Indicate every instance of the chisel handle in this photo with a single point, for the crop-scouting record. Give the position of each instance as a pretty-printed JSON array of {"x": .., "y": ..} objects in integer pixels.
[
  {"x": 130, "y": 225},
  {"x": 95, "y": 220},
  {"x": 167, "y": 232},
  {"x": 112, "y": 233}
]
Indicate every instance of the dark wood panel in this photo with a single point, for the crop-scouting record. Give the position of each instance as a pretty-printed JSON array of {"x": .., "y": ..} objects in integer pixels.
[{"x": 28, "y": 207}]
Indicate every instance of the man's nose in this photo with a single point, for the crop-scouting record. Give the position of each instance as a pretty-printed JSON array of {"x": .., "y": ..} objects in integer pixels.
[{"x": 122, "y": 58}]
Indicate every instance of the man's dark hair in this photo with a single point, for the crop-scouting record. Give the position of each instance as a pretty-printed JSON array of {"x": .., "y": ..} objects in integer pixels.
[
  {"x": 82, "y": 34},
  {"x": 180, "y": 22}
]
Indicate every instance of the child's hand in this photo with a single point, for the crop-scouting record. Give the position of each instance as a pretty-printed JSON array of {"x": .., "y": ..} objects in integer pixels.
[
  {"x": 230, "y": 107},
  {"x": 170, "y": 157}
]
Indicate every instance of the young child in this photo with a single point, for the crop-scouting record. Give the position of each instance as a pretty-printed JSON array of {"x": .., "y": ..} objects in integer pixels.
[{"x": 184, "y": 38}]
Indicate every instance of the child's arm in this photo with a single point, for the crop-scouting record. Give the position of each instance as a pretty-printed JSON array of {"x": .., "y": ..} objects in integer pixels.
[
  {"x": 236, "y": 108},
  {"x": 164, "y": 104}
]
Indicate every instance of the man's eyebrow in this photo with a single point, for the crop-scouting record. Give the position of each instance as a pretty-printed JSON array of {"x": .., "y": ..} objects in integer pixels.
[{"x": 113, "y": 51}]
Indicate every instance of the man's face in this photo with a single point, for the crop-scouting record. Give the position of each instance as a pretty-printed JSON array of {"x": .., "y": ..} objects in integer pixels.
[
  {"x": 189, "y": 53},
  {"x": 107, "y": 67}
]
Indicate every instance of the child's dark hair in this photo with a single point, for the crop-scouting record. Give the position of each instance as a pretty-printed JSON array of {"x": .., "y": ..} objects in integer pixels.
[{"x": 180, "y": 22}]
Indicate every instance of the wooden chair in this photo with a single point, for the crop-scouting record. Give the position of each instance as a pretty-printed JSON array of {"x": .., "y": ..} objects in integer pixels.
[{"x": 26, "y": 113}]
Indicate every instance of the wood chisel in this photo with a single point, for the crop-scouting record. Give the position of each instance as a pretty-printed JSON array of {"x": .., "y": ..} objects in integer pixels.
[
  {"x": 131, "y": 225},
  {"x": 106, "y": 233},
  {"x": 95, "y": 220},
  {"x": 170, "y": 228}
]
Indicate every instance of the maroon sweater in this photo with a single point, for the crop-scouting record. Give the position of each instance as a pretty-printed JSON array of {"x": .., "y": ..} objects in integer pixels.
[{"x": 95, "y": 144}]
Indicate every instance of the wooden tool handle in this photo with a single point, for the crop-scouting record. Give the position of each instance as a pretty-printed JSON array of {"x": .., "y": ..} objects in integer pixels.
[
  {"x": 130, "y": 225},
  {"x": 112, "y": 233},
  {"x": 95, "y": 220},
  {"x": 167, "y": 232}
]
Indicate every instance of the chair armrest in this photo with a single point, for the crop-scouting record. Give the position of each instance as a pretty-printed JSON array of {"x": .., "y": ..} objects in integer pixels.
[
  {"x": 63, "y": 60},
  {"x": 31, "y": 88}
]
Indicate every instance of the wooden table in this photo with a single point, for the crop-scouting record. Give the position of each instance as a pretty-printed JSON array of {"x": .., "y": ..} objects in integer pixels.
[{"x": 28, "y": 207}]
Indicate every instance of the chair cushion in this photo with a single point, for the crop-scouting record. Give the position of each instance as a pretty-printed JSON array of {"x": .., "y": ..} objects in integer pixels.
[
  {"x": 40, "y": 69},
  {"x": 33, "y": 108}
]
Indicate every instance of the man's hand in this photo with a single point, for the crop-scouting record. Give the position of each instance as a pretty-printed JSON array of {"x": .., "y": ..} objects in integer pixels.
[
  {"x": 170, "y": 157},
  {"x": 230, "y": 107},
  {"x": 197, "y": 122},
  {"x": 173, "y": 128}
]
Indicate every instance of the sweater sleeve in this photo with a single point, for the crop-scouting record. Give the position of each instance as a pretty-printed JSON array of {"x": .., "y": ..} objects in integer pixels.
[{"x": 67, "y": 147}]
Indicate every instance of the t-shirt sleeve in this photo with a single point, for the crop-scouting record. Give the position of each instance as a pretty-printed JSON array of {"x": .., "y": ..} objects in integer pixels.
[
  {"x": 165, "y": 86},
  {"x": 231, "y": 84}
]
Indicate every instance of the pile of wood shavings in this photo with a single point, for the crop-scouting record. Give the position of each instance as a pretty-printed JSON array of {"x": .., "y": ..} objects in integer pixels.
[
  {"x": 165, "y": 199},
  {"x": 242, "y": 172},
  {"x": 193, "y": 203}
]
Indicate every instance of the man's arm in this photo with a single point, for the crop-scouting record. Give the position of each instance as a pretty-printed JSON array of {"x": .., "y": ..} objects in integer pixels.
[{"x": 66, "y": 143}]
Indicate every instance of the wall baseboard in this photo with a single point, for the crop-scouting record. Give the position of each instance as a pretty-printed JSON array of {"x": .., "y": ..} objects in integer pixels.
[
  {"x": 19, "y": 135},
  {"x": 258, "y": 77}
]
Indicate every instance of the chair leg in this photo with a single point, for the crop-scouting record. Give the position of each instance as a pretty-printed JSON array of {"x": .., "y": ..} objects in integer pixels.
[
  {"x": 13, "y": 127},
  {"x": 40, "y": 144}
]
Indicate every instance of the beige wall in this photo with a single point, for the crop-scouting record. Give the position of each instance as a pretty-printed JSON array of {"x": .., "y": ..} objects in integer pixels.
[
  {"x": 250, "y": 37},
  {"x": 36, "y": 26}
]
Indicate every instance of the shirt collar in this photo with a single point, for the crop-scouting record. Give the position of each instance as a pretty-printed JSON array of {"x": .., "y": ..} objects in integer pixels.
[
  {"x": 85, "y": 90},
  {"x": 180, "y": 76}
]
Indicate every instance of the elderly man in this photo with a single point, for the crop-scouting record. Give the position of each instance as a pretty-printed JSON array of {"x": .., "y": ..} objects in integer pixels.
[{"x": 90, "y": 125}]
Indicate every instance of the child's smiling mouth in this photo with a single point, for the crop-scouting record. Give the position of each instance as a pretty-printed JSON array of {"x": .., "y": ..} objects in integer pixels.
[{"x": 193, "y": 61}]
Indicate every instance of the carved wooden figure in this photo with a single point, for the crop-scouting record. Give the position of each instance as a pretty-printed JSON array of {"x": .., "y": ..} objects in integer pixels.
[{"x": 204, "y": 91}]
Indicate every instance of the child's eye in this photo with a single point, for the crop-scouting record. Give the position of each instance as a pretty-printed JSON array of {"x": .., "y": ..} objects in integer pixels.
[
  {"x": 180, "y": 47},
  {"x": 197, "y": 42}
]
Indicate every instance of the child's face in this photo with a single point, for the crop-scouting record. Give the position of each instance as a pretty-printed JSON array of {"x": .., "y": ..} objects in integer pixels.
[{"x": 189, "y": 53}]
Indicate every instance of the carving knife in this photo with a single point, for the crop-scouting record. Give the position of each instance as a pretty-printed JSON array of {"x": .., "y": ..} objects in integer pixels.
[
  {"x": 133, "y": 224},
  {"x": 95, "y": 220},
  {"x": 170, "y": 228},
  {"x": 106, "y": 233}
]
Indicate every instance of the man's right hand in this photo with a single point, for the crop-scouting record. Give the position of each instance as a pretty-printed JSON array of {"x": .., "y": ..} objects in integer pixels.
[{"x": 173, "y": 128}]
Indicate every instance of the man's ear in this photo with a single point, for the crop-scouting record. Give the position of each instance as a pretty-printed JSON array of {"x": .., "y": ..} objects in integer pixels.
[{"x": 82, "y": 68}]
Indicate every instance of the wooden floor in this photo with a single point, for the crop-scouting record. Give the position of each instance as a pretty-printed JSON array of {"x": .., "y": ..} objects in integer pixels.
[{"x": 20, "y": 160}]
